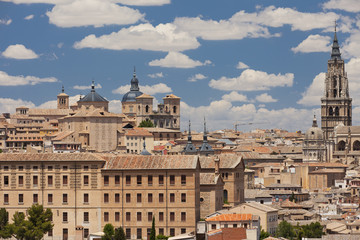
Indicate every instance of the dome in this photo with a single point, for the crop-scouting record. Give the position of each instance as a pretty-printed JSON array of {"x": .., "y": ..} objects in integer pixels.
[
  {"x": 134, "y": 90},
  {"x": 93, "y": 96},
  {"x": 314, "y": 133}
]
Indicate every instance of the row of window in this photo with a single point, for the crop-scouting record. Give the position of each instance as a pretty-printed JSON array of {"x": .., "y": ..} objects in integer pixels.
[
  {"x": 139, "y": 216},
  {"x": 148, "y": 230},
  {"x": 139, "y": 197},
  {"x": 50, "y": 178},
  {"x": 139, "y": 179},
  {"x": 49, "y": 168}
]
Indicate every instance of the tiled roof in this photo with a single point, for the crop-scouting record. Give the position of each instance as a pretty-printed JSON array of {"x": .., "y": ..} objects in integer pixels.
[
  {"x": 38, "y": 111},
  {"x": 328, "y": 170},
  {"x": 162, "y": 130},
  {"x": 62, "y": 135},
  {"x": 231, "y": 217},
  {"x": 226, "y": 161},
  {"x": 138, "y": 132},
  {"x": 208, "y": 178},
  {"x": 256, "y": 193},
  {"x": 43, "y": 157},
  {"x": 227, "y": 234},
  {"x": 289, "y": 204},
  {"x": 171, "y": 96},
  {"x": 150, "y": 162},
  {"x": 283, "y": 185},
  {"x": 259, "y": 206},
  {"x": 144, "y": 95}
]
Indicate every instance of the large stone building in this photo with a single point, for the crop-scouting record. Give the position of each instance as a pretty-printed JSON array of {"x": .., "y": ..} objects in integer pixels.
[
  {"x": 314, "y": 148},
  {"x": 336, "y": 104}
]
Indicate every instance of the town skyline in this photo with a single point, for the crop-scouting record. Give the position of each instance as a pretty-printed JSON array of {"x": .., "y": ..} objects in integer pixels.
[{"x": 256, "y": 62}]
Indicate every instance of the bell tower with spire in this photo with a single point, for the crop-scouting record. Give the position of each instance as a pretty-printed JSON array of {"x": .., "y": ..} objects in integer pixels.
[
  {"x": 336, "y": 104},
  {"x": 62, "y": 100}
]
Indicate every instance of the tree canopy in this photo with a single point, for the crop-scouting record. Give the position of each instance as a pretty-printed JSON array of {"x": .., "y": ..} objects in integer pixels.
[
  {"x": 119, "y": 234},
  {"x": 108, "y": 232},
  {"x": 4, "y": 224},
  {"x": 146, "y": 123},
  {"x": 285, "y": 230}
]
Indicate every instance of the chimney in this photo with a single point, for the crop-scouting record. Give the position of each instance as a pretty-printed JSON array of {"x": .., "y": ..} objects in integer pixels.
[{"x": 217, "y": 165}]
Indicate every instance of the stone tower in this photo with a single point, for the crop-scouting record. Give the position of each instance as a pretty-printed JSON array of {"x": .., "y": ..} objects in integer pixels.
[
  {"x": 62, "y": 100},
  {"x": 336, "y": 102}
]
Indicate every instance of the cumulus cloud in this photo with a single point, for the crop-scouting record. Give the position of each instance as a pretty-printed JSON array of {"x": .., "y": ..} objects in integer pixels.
[
  {"x": 265, "y": 98},
  {"x": 163, "y": 37},
  {"x": 235, "y": 97},
  {"x": 241, "y": 65},
  {"x": 346, "y": 5},
  {"x": 353, "y": 73},
  {"x": 95, "y": 13},
  {"x": 314, "y": 43},
  {"x": 177, "y": 60},
  {"x": 252, "y": 80},
  {"x": 7, "y": 80},
  {"x": 29, "y": 17},
  {"x": 5, "y": 21},
  {"x": 351, "y": 47},
  {"x": 196, "y": 77},
  {"x": 79, "y": 87},
  {"x": 19, "y": 51},
  {"x": 156, "y": 75},
  {"x": 53, "y": 103},
  {"x": 143, "y": 2},
  {"x": 313, "y": 94},
  {"x": 8, "y": 105},
  {"x": 151, "y": 90}
]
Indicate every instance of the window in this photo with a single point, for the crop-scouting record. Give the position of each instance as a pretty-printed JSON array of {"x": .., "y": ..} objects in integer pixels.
[
  {"x": 21, "y": 168},
  {"x": 172, "y": 216},
  {"x": 138, "y": 216},
  {"x": 86, "y": 198},
  {"x": 65, "y": 168},
  {"x": 6, "y": 168},
  {"x": 117, "y": 197},
  {"x": 6, "y": 180},
  {"x": 172, "y": 179},
  {"x": 117, "y": 216},
  {"x": 128, "y": 179},
  {"x": 50, "y": 233},
  {"x": 128, "y": 216},
  {"x": 21, "y": 180},
  {"x": 161, "y": 179},
  {"x": 65, "y": 198},
  {"x": 150, "y": 180},
  {"x": 150, "y": 197},
  {"x": 150, "y": 216},
  {"x": 50, "y": 168},
  {"x": 65, "y": 216},
  {"x": 161, "y": 216},
  {"x": 86, "y": 232},
  {"x": 183, "y": 197},
  {"x": 183, "y": 230},
  {"x": 161, "y": 197},
  {"x": 138, "y": 197},
  {"x": 106, "y": 197},
  {"x": 106, "y": 180},
  {"x": 65, "y": 180},
  {"x": 128, "y": 197},
  {"x": 117, "y": 180},
  {"x": 183, "y": 179},
  {"x": 161, "y": 231},
  {"x": 128, "y": 233},
  {"x": 234, "y": 225},
  {"x": 106, "y": 216},
  {"x": 65, "y": 234},
  {"x": 172, "y": 231},
  {"x": 86, "y": 217},
  {"x": 183, "y": 216},
  {"x": 172, "y": 197},
  {"x": 138, "y": 233},
  {"x": 50, "y": 180},
  {"x": 138, "y": 179},
  {"x": 50, "y": 198},
  {"x": 21, "y": 198},
  {"x": 86, "y": 180},
  {"x": 86, "y": 168},
  {"x": 6, "y": 198},
  {"x": 213, "y": 226},
  {"x": 35, "y": 198}
]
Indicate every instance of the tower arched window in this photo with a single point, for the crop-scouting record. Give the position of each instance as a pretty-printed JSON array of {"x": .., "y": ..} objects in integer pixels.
[
  {"x": 335, "y": 93},
  {"x": 331, "y": 111},
  {"x": 166, "y": 109},
  {"x": 225, "y": 195},
  {"x": 356, "y": 146},
  {"x": 337, "y": 111},
  {"x": 147, "y": 108},
  {"x": 341, "y": 146},
  {"x": 174, "y": 109}
]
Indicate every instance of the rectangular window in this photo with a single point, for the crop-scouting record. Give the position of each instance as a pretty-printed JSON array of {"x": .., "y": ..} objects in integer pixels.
[
  {"x": 65, "y": 180},
  {"x": 138, "y": 179},
  {"x": 161, "y": 216},
  {"x": 106, "y": 216},
  {"x": 117, "y": 216},
  {"x": 86, "y": 217},
  {"x": 65, "y": 216},
  {"x": 35, "y": 198},
  {"x": 183, "y": 179},
  {"x": 6, "y": 168},
  {"x": 86, "y": 168},
  {"x": 106, "y": 180},
  {"x": 161, "y": 231},
  {"x": 117, "y": 197},
  {"x": 138, "y": 216},
  {"x": 150, "y": 197},
  {"x": 150, "y": 216},
  {"x": 86, "y": 232},
  {"x": 65, "y": 168},
  {"x": 50, "y": 233},
  {"x": 50, "y": 180},
  {"x": 128, "y": 197},
  {"x": 172, "y": 216},
  {"x": 172, "y": 232},
  {"x": 150, "y": 180},
  {"x": 128, "y": 180},
  {"x": 172, "y": 179},
  {"x": 161, "y": 179},
  {"x": 138, "y": 197},
  {"x": 161, "y": 197},
  {"x": 172, "y": 197},
  {"x": 86, "y": 180},
  {"x": 65, "y": 198},
  {"x": 50, "y": 198},
  {"x": 86, "y": 198},
  {"x": 21, "y": 198},
  {"x": 183, "y": 216},
  {"x": 183, "y": 230},
  {"x": 213, "y": 226},
  {"x": 21, "y": 180},
  {"x": 106, "y": 197},
  {"x": 21, "y": 168},
  {"x": 138, "y": 233},
  {"x": 117, "y": 180},
  {"x": 50, "y": 168},
  {"x": 6, "y": 198},
  {"x": 35, "y": 181},
  {"x": 128, "y": 216},
  {"x": 6, "y": 180},
  {"x": 128, "y": 233},
  {"x": 183, "y": 197},
  {"x": 65, "y": 234}
]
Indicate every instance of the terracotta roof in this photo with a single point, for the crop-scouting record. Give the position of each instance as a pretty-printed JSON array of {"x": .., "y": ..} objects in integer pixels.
[
  {"x": 49, "y": 157},
  {"x": 227, "y": 234},
  {"x": 161, "y": 130},
  {"x": 289, "y": 204},
  {"x": 256, "y": 193},
  {"x": 226, "y": 161},
  {"x": 150, "y": 162},
  {"x": 259, "y": 206},
  {"x": 171, "y": 96},
  {"x": 231, "y": 217},
  {"x": 144, "y": 95},
  {"x": 38, "y": 111},
  {"x": 138, "y": 132},
  {"x": 62, "y": 135},
  {"x": 208, "y": 179},
  {"x": 328, "y": 170}
]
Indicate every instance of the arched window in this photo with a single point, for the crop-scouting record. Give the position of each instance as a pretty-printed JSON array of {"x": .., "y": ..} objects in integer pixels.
[
  {"x": 337, "y": 111},
  {"x": 166, "y": 109},
  {"x": 331, "y": 111},
  {"x": 225, "y": 195},
  {"x": 147, "y": 108},
  {"x": 356, "y": 146},
  {"x": 174, "y": 109},
  {"x": 139, "y": 109},
  {"x": 341, "y": 146}
]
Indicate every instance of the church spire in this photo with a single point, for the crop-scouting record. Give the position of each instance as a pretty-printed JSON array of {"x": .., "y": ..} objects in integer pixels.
[
  {"x": 189, "y": 149},
  {"x": 314, "y": 122},
  {"x": 205, "y": 135},
  {"x": 93, "y": 86},
  {"x": 134, "y": 82},
  {"x": 335, "y": 53},
  {"x": 189, "y": 134},
  {"x": 62, "y": 89}
]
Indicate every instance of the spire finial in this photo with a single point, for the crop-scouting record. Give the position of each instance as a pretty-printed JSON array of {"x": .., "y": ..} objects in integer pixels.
[
  {"x": 93, "y": 86},
  {"x": 335, "y": 25},
  {"x": 134, "y": 71},
  {"x": 62, "y": 89},
  {"x": 335, "y": 53},
  {"x": 314, "y": 121}
]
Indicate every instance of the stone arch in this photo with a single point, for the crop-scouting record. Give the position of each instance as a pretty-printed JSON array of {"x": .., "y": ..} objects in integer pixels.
[
  {"x": 337, "y": 111},
  {"x": 356, "y": 146},
  {"x": 225, "y": 195},
  {"x": 147, "y": 108},
  {"x": 174, "y": 109},
  {"x": 341, "y": 146},
  {"x": 331, "y": 112}
]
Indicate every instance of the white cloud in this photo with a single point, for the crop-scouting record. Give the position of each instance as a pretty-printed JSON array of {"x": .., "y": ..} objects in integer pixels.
[
  {"x": 7, "y": 80},
  {"x": 60, "y": 45},
  {"x": 176, "y": 60},
  {"x": 53, "y": 103},
  {"x": 151, "y": 90},
  {"x": 8, "y": 105},
  {"x": 143, "y": 2},
  {"x": 39, "y": 1},
  {"x": 314, "y": 43},
  {"x": 196, "y": 77},
  {"x": 235, "y": 97},
  {"x": 95, "y": 13},
  {"x": 347, "y": 5},
  {"x": 5, "y": 21},
  {"x": 252, "y": 80},
  {"x": 351, "y": 47},
  {"x": 265, "y": 98},
  {"x": 156, "y": 75},
  {"x": 115, "y": 106},
  {"x": 313, "y": 94},
  {"x": 241, "y": 65},
  {"x": 163, "y": 37},
  {"x": 78, "y": 87},
  {"x": 29, "y": 17},
  {"x": 353, "y": 73},
  {"x": 19, "y": 51}
]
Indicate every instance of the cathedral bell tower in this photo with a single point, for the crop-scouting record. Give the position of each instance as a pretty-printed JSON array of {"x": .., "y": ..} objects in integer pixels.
[{"x": 336, "y": 103}]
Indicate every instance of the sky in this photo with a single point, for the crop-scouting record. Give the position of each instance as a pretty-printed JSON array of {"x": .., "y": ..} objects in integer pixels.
[{"x": 255, "y": 63}]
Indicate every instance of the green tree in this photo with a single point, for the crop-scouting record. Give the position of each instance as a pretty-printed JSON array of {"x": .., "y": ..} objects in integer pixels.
[
  {"x": 312, "y": 230},
  {"x": 162, "y": 237},
  {"x": 18, "y": 227},
  {"x": 146, "y": 123},
  {"x": 285, "y": 230},
  {"x": 153, "y": 231},
  {"x": 264, "y": 234},
  {"x": 292, "y": 198},
  {"x": 119, "y": 234},
  {"x": 108, "y": 232},
  {"x": 4, "y": 224}
]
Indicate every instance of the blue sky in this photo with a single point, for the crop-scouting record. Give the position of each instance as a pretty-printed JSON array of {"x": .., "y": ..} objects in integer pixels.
[{"x": 260, "y": 62}]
